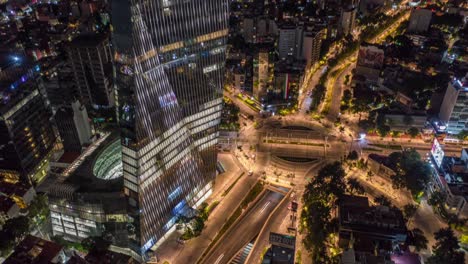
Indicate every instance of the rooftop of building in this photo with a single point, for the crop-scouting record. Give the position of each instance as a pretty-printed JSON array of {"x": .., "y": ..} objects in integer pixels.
[
  {"x": 10, "y": 189},
  {"x": 34, "y": 250},
  {"x": 17, "y": 81},
  {"x": 68, "y": 157},
  {"x": 89, "y": 40},
  {"x": 290, "y": 66},
  {"x": 6, "y": 203},
  {"x": 108, "y": 257},
  {"x": 279, "y": 255},
  {"x": 455, "y": 170},
  {"x": 75, "y": 259},
  {"x": 461, "y": 83},
  {"x": 97, "y": 170},
  {"x": 458, "y": 189},
  {"x": 360, "y": 217}
]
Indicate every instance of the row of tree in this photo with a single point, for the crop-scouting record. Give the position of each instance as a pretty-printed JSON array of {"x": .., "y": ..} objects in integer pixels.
[{"x": 319, "y": 200}]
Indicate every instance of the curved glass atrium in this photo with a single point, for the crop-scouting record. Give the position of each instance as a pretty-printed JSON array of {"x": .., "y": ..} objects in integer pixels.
[{"x": 108, "y": 164}]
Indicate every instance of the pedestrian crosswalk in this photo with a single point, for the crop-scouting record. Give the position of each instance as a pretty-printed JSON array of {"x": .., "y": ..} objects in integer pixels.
[{"x": 241, "y": 257}]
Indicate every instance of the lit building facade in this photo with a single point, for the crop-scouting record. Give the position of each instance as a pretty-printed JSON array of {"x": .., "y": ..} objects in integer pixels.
[
  {"x": 454, "y": 109},
  {"x": 169, "y": 66},
  {"x": 26, "y": 134},
  {"x": 89, "y": 201}
]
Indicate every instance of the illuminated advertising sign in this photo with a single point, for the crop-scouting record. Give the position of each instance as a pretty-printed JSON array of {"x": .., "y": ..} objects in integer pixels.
[
  {"x": 168, "y": 99},
  {"x": 370, "y": 56},
  {"x": 437, "y": 153},
  {"x": 281, "y": 240}
]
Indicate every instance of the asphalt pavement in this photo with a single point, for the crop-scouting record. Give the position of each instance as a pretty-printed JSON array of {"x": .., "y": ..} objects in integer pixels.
[{"x": 244, "y": 230}]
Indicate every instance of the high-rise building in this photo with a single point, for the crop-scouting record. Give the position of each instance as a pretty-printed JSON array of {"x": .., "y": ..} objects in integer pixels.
[
  {"x": 91, "y": 59},
  {"x": 73, "y": 126},
  {"x": 311, "y": 45},
  {"x": 369, "y": 63},
  {"x": 261, "y": 73},
  {"x": 169, "y": 63},
  {"x": 454, "y": 109},
  {"x": 347, "y": 20},
  {"x": 420, "y": 20},
  {"x": 59, "y": 84},
  {"x": 290, "y": 41},
  {"x": 26, "y": 134}
]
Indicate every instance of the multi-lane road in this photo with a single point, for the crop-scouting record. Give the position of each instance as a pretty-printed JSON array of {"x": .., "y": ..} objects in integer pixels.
[{"x": 245, "y": 230}]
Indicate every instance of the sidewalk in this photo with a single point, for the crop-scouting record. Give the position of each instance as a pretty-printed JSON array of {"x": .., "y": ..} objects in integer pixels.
[{"x": 189, "y": 252}]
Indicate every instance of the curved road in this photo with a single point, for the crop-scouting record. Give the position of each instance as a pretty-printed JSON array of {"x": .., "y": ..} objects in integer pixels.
[{"x": 245, "y": 230}]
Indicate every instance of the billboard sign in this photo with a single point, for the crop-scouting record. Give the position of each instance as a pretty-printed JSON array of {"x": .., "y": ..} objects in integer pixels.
[
  {"x": 282, "y": 240},
  {"x": 437, "y": 153},
  {"x": 370, "y": 56}
]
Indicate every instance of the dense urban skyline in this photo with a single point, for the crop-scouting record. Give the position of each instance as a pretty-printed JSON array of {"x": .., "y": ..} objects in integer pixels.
[{"x": 241, "y": 131}]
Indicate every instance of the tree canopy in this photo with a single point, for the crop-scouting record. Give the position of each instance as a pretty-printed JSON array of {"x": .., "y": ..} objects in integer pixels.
[
  {"x": 446, "y": 249},
  {"x": 411, "y": 172},
  {"x": 319, "y": 198}
]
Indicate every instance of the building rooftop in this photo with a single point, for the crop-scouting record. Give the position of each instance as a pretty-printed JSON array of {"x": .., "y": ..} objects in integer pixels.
[
  {"x": 34, "y": 250},
  {"x": 9, "y": 189},
  {"x": 406, "y": 258},
  {"x": 6, "y": 203},
  {"x": 68, "y": 157},
  {"x": 88, "y": 40},
  {"x": 362, "y": 218},
  {"x": 88, "y": 181},
  {"x": 108, "y": 257}
]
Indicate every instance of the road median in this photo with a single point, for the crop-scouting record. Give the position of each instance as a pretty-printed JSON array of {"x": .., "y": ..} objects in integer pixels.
[
  {"x": 255, "y": 193},
  {"x": 264, "y": 227}
]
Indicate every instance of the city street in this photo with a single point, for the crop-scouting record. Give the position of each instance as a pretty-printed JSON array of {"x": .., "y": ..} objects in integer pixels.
[
  {"x": 175, "y": 252},
  {"x": 244, "y": 230}
]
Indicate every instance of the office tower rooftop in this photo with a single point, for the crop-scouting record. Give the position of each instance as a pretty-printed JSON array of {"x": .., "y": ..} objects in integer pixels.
[{"x": 91, "y": 60}]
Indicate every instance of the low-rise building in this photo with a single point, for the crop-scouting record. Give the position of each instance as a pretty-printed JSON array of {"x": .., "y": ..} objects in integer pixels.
[
  {"x": 378, "y": 164},
  {"x": 359, "y": 221},
  {"x": 89, "y": 200},
  {"x": 14, "y": 195},
  {"x": 34, "y": 250}
]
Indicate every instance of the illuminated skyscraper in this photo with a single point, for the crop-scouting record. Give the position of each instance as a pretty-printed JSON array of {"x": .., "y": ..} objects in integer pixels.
[{"x": 169, "y": 63}]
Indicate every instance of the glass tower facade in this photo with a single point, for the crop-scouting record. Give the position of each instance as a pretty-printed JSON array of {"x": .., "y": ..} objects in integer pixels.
[{"x": 169, "y": 67}]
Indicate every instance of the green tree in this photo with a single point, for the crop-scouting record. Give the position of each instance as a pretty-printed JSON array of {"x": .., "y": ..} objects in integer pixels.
[
  {"x": 319, "y": 198},
  {"x": 446, "y": 250},
  {"x": 198, "y": 225},
  {"x": 331, "y": 179},
  {"x": 463, "y": 135},
  {"x": 39, "y": 206},
  {"x": 410, "y": 171},
  {"x": 383, "y": 130},
  {"x": 353, "y": 155},
  {"x": 409, "y": 210},
  {"x": 95, "y": 243},
  {"x": 17, "y": 227},
  {"x": 437, "y": 198},
  {"x": 413, "y": 132},
  {"x": 419, "y": 241},
  {"x": 382, "y": 200},
  {"x": 7, "y": 242},
  {"x": 354, "y": 186}
]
